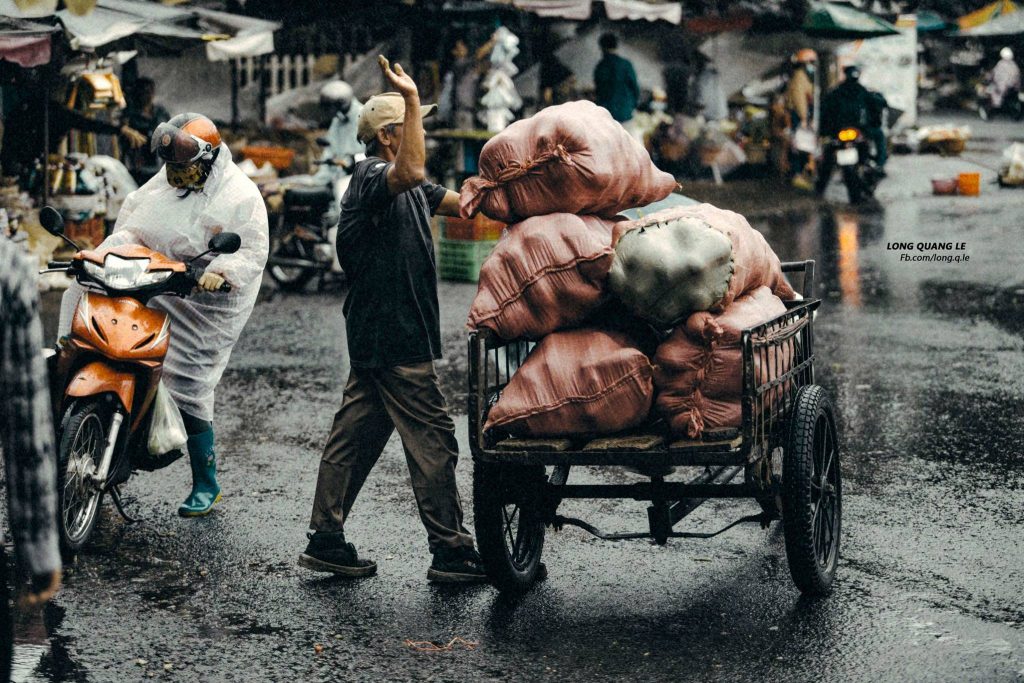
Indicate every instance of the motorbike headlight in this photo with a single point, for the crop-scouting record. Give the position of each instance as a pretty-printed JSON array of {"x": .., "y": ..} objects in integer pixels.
[{"x": 126, "y": 273}]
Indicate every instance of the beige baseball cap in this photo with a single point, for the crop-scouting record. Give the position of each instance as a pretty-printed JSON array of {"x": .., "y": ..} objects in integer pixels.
[{"x": 383, "y": 110}]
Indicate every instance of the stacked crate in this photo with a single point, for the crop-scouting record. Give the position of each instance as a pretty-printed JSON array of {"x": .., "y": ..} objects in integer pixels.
[{"x": 465, "y": 245}]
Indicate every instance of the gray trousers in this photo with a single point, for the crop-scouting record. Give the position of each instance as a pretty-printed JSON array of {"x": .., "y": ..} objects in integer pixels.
[{"x": 376, "y": 402}]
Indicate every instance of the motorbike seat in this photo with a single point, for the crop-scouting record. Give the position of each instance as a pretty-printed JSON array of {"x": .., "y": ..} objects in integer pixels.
[{"x": 308, "y": 196}]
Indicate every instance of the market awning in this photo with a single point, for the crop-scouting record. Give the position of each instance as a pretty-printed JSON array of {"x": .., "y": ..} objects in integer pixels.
[
  {"x": 226, "y": 35},
  {"x": 580, "y": 10},
  {"x": 842, "y": 22},
  {"x": 25, "y": 43},
  {"x": 250, "y": 37},
  {"x": 1011, "y": 24},
  {"x": 986, "y": 14},
  {"x": 930, "y": 22}
]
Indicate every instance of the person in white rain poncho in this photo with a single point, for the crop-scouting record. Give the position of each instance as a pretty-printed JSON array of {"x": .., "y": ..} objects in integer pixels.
[{"x": 199, "y": 193}]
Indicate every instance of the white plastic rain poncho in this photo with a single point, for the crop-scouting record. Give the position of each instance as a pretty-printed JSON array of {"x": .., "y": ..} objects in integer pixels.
[
  {"x": 205, "y": 325},
  {"x": 342, "y": 142}
]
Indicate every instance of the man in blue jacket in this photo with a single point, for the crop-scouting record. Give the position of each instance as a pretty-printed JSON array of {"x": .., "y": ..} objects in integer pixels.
[{"x": 615, "y": 81}]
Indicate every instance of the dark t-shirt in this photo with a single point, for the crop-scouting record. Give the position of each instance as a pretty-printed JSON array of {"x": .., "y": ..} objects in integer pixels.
[{"x": 387, "y": 251}]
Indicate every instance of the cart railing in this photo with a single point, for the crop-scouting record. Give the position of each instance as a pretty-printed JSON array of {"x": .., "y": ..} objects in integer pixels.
[{"x": 777, "y": 360}]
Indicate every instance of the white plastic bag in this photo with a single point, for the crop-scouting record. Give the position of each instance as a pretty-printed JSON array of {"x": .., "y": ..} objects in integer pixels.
[
  {"x": 167, "y": 429},
  {"x": 804, "y": 140}
]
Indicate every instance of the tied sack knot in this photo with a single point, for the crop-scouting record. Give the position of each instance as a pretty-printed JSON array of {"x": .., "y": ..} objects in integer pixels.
[{"x": 516, "y": 169}]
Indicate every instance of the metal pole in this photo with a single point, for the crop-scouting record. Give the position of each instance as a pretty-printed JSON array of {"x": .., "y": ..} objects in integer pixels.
[
  {"x": 234, "y": 94},
  {"x": 46, "y": 137}
]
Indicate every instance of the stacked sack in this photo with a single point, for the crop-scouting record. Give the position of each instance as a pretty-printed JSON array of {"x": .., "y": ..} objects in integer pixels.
[
  {"x": 707, "y": 273},
  {"x": 560, "y": 179}
]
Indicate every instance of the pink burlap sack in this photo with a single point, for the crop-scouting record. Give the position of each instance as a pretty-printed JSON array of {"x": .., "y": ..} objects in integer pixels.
[
  {"x": 699, "y": 368},
  {"x": 545, "y": 274},
  {"x": 754, "y": 263},
  {"x": 577, "y": 382},
  {"x": 570, "y": 158}
]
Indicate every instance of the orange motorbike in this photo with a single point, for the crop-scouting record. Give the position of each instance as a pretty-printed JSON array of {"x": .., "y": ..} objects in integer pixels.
[{"x": 105, "y": 375}]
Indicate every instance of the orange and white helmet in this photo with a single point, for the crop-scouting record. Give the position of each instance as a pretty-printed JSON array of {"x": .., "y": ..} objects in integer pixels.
[{"x": 189, "y": 144}]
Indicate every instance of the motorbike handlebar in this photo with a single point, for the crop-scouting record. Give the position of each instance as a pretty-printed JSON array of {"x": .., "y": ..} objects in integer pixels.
[
  {"x": 195, "y": 274},
  {"x": 58, "y": 264}
]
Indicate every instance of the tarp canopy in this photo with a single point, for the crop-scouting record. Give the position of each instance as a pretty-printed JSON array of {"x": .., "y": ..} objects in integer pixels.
[
  {"x": 250, "y": 37},
  {"x": 829, "y": 20},
  {"x": 580, "y": 10},
  {"x": 1008, "y": 24},
  {"x": 25, "y": 43},
  {"x": 930, "y": 22},
  {"x": 986, "y": 14},
  {"x": 226, "y": 35}
]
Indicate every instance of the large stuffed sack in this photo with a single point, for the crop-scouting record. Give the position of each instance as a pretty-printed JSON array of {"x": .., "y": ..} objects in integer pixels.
[
  {"x": 570, "y": 158},
  {"x": 545, "y": 274},
  {"x": 666, "y": 270},
  {"x": 672, "y": 252},
  {"x": 699, "y": 368},
  {"x": 577, "y": 382}
]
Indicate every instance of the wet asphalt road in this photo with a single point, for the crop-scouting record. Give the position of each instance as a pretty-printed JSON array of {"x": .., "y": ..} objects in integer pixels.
[{"x": 923, "y": 362}]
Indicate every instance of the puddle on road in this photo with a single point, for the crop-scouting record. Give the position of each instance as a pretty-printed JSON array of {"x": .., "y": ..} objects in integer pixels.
[{"x": 41, "y": 653}]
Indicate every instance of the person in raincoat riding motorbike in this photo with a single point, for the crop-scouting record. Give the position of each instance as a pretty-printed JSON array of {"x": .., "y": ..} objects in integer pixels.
[{"x": 200, "y": 193}]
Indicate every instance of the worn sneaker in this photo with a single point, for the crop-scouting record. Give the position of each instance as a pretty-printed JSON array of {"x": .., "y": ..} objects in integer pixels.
[
  {"x": 456, "y": 565},
  {"x": 329, "y": 552}
]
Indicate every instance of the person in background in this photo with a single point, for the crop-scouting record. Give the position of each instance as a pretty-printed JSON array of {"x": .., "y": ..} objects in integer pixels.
[
  {"x": 850, "y": 105},
  {"x": 392, "y": 321},
  {"x": 144, "y": 115},
  {"x": 615, "y": 82},
  {"x": 780, "y": 134},
  {"x": 458, "y": 102},
  {"x": 338, "y": 101},
  {"x": 26, "y": 440},
  {"x": 799, "y": 100},
  {"x": 1005, "y": 78}
]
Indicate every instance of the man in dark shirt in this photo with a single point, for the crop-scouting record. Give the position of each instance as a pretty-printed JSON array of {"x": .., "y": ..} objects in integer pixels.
[
  {"x": 393, "y": 331},
  {"x": 615, "y": 83}
]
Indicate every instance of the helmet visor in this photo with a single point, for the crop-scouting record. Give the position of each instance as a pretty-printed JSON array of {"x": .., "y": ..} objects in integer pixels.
[{"x": 175, "y": 146}]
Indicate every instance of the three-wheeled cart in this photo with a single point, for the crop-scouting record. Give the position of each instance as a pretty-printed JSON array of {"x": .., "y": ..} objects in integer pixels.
[{"x": 787, "y": 449}]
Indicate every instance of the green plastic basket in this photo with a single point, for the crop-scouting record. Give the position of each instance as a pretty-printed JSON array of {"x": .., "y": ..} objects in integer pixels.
[{"x": 461, "y": 260}]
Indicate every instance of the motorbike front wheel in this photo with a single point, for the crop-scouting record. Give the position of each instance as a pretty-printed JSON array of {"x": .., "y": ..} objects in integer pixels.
[
  {"x": 291, "y": 278},
  {"x": 83, "y": 437}
]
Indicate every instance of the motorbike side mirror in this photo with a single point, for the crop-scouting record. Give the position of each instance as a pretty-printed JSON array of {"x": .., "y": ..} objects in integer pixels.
[
  {"x": 52, "y": 221},
  {"x": 225, "y": 243}
]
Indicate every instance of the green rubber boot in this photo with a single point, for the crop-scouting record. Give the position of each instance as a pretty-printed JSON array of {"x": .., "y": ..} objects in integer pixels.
[{"x": 205, "y": 491}]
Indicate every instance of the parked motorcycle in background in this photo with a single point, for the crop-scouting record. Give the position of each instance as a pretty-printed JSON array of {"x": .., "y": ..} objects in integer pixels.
[
  {"x": 111, "y": 412},
  {"x": 302, "y": 244}
]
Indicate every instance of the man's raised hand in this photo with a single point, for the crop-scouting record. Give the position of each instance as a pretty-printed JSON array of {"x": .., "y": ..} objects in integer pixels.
[{"x": 396, "y": 76}]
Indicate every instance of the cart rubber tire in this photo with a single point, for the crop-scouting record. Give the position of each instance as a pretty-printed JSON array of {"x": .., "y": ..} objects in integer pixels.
[
  {"x": 807, "y": 514},
  {"x": 83, "y": 429},
  {"x": 495, "y": 486}
]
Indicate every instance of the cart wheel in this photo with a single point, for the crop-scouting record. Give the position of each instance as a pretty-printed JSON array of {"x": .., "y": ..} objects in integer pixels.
[
  {"x": 812, "y": 494},
  {"x": 509, "y": 523}
]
